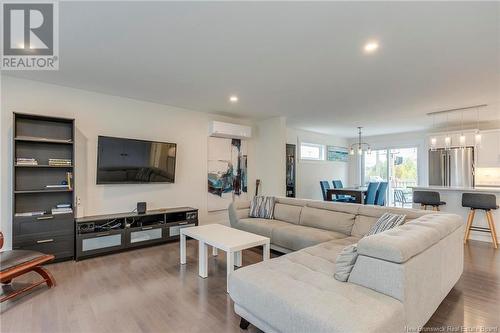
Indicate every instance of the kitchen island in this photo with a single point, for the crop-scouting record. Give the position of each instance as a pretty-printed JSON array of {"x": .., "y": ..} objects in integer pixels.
[{"x": 453, "y": 198}]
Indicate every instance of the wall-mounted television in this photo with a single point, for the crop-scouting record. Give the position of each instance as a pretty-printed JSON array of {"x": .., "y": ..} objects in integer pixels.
[{"x": 131, "y": 161}]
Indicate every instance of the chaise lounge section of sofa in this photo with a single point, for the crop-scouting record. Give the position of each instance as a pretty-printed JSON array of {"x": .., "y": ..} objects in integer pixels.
[{"x": 399, "y": 279}]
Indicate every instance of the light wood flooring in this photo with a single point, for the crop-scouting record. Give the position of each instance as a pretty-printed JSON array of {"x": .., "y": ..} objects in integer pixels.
[{"x": 147, "y": 290}]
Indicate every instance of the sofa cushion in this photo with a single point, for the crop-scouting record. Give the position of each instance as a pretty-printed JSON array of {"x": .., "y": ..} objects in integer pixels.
[
  {"x": 287, "y": 213},
  {"x": 368, "y": 215},
  {"x": 378, "y": 211},
  {"x": 297, "y": 293},
  {"x": 335, "y": 206},
  {"x": 292, "y": 201},
  {"x": 296, "y": 237},
  {"x": 406, "y": 241},
  {"x": 362, "y": 225},
  {"x": 263, "y": 227},
  {"x": 327, "y": 219}
]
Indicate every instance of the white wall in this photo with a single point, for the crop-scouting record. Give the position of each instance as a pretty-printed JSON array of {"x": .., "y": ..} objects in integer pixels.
[
  {"x": 270, "y": 155},
  {"x": 402, "y": 140},
  {"x": 310, "y": 173},
  {"x": 98, "y": 114}
]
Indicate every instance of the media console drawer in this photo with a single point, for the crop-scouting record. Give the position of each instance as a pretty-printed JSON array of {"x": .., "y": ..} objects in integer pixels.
[
  {"x": 146, "y": 235},
  {"x": 175, "y": 230},
  {"x": 99, "y": 242}
]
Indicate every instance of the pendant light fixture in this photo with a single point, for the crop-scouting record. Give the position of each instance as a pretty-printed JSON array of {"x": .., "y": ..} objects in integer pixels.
[
  {"x": 462, "y": 136},
  {"x": 447, "y": 139},
  {"x": 433, "y": 138},
  {"x": 477, "y": 136},
  {"x": 360, "y": 146}
]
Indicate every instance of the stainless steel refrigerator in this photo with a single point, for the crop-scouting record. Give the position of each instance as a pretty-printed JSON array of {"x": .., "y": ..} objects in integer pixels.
[{"x": 451, "y": 167}]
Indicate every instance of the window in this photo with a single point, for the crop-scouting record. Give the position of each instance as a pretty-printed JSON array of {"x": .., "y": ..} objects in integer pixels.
[{"x": 312, "y": 151}]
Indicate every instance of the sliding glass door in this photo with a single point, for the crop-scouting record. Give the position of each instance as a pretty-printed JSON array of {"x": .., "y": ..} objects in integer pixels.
[
  {"x": 398, "y": 167},
  {"x": 403, "y": 175},
  {"x": 375, "y": 166}
]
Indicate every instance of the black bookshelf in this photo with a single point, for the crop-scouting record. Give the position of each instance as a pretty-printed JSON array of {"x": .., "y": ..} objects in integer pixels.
[{"x": 42, "y": 138}]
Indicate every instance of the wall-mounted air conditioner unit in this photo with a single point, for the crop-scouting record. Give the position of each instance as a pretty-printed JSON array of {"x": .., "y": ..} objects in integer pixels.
[{"x": 228, "y": 130}]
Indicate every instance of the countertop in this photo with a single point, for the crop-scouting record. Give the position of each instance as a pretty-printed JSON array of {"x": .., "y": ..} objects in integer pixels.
[{"x": 485, "y": 189}]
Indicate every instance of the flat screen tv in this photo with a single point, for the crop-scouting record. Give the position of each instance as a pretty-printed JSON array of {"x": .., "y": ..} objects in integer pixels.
[{"x": 131, "y": 161}]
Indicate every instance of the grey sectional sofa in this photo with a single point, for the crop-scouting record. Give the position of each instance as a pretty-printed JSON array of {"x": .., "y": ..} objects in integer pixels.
[{"x": 400, "y": 278}]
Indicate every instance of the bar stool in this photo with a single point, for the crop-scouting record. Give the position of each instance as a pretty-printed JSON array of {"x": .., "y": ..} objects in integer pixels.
[
  {"x": 428, "y": 198},
  {"x": 485, "y": 202}
]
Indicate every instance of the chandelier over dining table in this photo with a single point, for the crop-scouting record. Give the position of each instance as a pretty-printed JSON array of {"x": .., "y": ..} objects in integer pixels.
[{"x": 360, "y": 146}]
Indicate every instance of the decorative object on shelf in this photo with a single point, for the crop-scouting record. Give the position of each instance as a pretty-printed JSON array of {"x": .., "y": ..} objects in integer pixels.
[
  {"x": 360, "y": 145},
  {"x": 339, "y": 154},
  {"x": 69, "y": 180},
  {"x": 227, "y": 172}
]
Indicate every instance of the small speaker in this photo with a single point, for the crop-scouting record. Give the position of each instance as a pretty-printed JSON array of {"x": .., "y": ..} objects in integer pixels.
[{"x": 141, "y": 208}]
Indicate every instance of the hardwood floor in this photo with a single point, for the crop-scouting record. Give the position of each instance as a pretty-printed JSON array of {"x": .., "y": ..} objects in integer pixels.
[{"x": 147, "y": 290}]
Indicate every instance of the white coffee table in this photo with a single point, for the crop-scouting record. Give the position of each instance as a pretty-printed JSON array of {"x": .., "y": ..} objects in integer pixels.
[{"x": 231, "y": 240}]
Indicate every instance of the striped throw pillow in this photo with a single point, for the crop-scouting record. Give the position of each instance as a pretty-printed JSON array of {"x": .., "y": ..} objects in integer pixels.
[
  {"x": 262, "y": 207},
  {"x": 386, "y": 222}
]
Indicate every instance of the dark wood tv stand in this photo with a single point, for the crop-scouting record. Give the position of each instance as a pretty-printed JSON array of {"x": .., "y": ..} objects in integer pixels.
[{"x": 104, "y": 234}]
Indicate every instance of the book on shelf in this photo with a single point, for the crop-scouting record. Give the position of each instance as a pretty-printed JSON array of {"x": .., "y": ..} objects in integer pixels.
[
  {"x": 57, "y": 186},
  {"x": 37, "y": 138},
  {"x": 56, "y": 211},
  {"x": 26, "y": 161},
  {"x": 38, "y": 213},
  {"x": 63, "y": 205},
  {"x": 60, "y": 162}
]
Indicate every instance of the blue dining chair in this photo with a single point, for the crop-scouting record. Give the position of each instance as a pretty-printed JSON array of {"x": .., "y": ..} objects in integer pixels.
[
  {"x": 337, "y": 184},
  {"x": 381, "y": 194},
  {"x": 324, "y": 186},
  {"x": 371, "y": 193}
]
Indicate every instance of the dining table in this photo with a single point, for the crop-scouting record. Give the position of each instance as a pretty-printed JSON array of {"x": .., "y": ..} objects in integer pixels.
[{"x": 357, "y": 192}]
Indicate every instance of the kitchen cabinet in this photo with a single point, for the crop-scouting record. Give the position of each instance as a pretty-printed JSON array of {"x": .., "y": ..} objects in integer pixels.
[{"x": 488, "y": 152}]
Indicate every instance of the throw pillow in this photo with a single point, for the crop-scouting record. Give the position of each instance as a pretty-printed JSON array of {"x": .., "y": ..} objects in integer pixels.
[
  {"x": 345, "y": 262},
  {"x": 262, "y": 207},
  {"x": 386, "y": 222}
]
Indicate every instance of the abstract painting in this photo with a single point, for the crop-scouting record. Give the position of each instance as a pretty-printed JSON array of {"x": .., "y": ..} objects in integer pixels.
[{"x": 227, "y": 172}]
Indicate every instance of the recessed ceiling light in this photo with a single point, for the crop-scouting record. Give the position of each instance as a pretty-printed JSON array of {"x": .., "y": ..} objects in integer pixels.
[
  {"x": 233, "y": 98},
  {"x": 371, "y": 46}
]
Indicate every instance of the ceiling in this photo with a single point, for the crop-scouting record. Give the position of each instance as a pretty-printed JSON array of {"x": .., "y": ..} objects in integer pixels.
[{"x": 295, "y": 59}]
